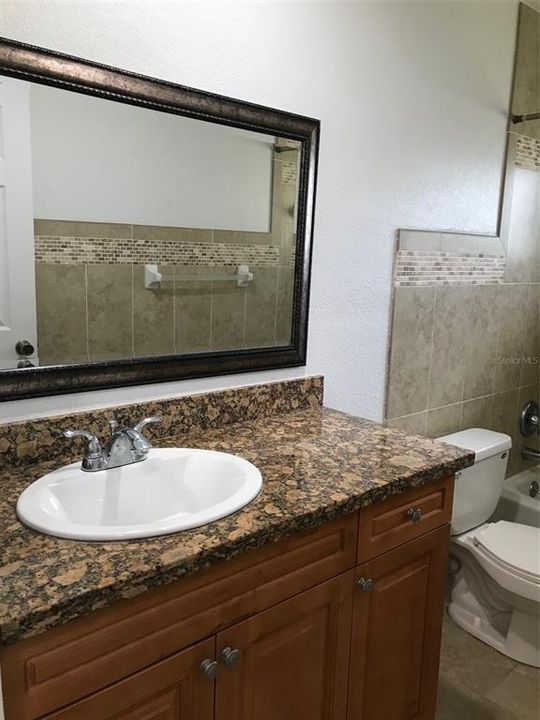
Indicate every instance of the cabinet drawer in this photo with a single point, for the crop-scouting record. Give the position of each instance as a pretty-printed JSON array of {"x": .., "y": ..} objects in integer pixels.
[
  {"x": 403, "y": 517},
  {"x": 70, "y": 662}
]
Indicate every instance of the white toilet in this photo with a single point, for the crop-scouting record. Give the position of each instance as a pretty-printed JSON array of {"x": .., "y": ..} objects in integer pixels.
[{"x": 495, "y": 593}]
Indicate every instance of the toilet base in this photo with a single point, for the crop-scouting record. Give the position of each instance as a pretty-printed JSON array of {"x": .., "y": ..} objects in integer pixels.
[{"x": 508, "y": 623}]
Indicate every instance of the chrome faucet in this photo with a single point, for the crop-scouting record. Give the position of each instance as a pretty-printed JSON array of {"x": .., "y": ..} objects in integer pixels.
[{"x": 126, "y": 446}]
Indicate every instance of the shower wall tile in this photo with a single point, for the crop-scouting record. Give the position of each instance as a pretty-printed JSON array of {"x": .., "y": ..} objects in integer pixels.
[
  {"x": 228, "y": 313},
  {"x": 153, "y": 316},
  {"x": 451, "y": 335},
  {"x": 72, "y": 228},
  {"x": 443, "y": 421},
  {"x": 110, "y": 312},
  {"x": 193, "y": 308},
  {"x": 530, "y": 365},
  {"x": 415, "y": 424},
  {"x": 284, "y": 305},
  {"x": 476, "y": 413},
  {"x": 486, "y": 338},
  {"x": 512, "y": 334},
  {"x": 61, "y": 313},
  {"x": 174, "y": 234},
  {"x": 261, "y": 299},
  {"x": 410, "y": 353},
  {"x": 481, "y": 349}
]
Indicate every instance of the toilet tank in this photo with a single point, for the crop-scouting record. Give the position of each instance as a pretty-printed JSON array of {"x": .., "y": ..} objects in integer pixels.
[{"x": 478, "y": 488}]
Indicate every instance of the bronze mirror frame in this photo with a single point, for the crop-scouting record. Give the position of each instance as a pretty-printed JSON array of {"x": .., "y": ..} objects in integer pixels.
[{"x": 48, "y": 67}]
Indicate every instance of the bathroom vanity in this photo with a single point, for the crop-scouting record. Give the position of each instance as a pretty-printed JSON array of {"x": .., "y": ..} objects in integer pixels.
[{"x": 322, "y": 599}]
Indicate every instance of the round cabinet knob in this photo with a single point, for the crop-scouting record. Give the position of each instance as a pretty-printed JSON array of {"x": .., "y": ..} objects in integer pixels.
[
  {"x": 209, "y": 668},
  {"x": 25, "y": 364},
  {"x": 414, "y": 514},
  {"x": 24, "y": 347},
  {"x": 365, "y": 584},
  {"x": 230, "y": 656}
]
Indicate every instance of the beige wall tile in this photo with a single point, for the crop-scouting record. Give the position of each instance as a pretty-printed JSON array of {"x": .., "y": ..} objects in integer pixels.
[
  {"x": 261, "y": 303},
  {"x": 110, "y": 312},
  {"x": 412, "y": 328},
  {"x": 156, "y": 232},
  {"x": 61, "y": 313},
  {"x": 476, "y": 413},
  {"x": 228, "y": 313},
  {"x": 413, "y": 424},
  {"x": 238, "y": 237},
  {"x": 193, "y": 306},
  {"x": 284, "y": 305},
  {"x": 450, "y": 337},
  {"x": 443, "y": 421},
  {"x": 153, "y": 321},
  {"x": 504, "y": 418},
  {"x": 530, "y": 365},
  {"x": 481, "y": 349},
  {"x": 512, "y": 332},
  {"x": 71, "y": 228}
]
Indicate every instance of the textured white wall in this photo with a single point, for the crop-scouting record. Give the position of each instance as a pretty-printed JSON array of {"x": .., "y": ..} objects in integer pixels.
[{"x": 412, "y": 97}]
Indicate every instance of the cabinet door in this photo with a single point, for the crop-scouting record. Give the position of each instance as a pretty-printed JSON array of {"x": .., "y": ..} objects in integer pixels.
[
  {"x": 293, "y": 659},
  {"x": 174, "y": 689},
  {"x": 397, "y": 618}
]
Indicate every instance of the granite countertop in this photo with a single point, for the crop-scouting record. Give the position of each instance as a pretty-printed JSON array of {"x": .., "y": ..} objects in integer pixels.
[{"x": 317, "y": 465}]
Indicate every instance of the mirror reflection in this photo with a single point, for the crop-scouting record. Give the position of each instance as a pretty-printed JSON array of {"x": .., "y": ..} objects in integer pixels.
[{"x": 128, "y": 232}]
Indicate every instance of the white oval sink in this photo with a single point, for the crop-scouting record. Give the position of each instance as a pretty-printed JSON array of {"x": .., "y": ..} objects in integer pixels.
[{"x": 173, "y": 489}]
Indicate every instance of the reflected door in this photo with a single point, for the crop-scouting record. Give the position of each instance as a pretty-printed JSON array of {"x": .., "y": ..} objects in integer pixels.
[{"x": 18, "y": 332}]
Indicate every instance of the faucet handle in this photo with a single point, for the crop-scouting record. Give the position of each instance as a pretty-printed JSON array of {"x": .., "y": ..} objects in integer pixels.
[
  {"x": 153, "y": 420},
  {"x": 94, "y": 449},
  {"x": 113, "y": 424}
]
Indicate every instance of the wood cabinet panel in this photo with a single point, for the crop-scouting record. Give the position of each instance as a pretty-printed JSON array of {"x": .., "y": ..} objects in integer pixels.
[
  {"x": 294, "y": 659},
  {"x": 401, "y": 518},
  {"x": 173, "y": 689},
  {"x": 86, "y": 655},
  {"x": 396, "y": 631}
]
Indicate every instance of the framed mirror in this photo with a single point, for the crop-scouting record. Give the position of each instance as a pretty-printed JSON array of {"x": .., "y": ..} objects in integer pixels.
[{"x": 149, "y": 232}]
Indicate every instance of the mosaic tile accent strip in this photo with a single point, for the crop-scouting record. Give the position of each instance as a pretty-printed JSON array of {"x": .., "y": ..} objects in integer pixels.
[
  {"x": 426, "y": 267},
  {"x": 289, "y": 172},
  {"x": 39, "y": 440},
  {"x": 111, "y": 251},
  {"x": 527, "y": 153}
]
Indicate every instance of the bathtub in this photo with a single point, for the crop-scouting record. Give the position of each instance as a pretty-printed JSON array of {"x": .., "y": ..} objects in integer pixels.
[{"x": 516, "y": 504}]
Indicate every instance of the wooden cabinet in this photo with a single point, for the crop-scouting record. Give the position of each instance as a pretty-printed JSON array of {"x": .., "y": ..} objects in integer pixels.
[
  {"x": 397, "y": 617},
  {"x": 174, "y": 689},
  {"x": 293, "y": 659},
  {"x": 341, "y": 622}
]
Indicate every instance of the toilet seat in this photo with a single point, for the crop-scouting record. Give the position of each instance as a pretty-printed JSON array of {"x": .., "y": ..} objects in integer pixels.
[{"x": 510, "y": 553}]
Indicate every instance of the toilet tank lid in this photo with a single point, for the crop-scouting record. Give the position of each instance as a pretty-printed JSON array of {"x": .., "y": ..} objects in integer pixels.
[{"x": 484, "y": 443}]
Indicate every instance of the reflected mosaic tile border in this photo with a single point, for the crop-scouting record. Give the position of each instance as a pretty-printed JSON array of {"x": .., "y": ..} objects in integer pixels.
[
  {"x": 426, "y": 268},
  {"x": 110, "y": 251},
  {"x": 39, "y": 440},
  {"x": 527, "y": 154}
]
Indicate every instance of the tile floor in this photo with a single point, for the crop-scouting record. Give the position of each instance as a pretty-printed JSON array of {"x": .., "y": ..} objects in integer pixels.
[{"x": 478, "y": 683}]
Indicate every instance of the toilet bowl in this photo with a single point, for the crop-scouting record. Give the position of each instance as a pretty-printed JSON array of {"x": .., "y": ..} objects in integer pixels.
[{"x": 495, "y": 588}]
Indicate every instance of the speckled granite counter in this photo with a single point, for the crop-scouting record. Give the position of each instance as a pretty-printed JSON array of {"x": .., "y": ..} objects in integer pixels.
[{"x": 317, "y": 464}]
